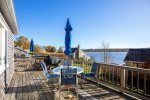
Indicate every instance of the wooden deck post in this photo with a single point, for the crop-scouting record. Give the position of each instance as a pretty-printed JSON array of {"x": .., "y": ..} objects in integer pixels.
[
  {"x": 122, "y": 86},
  {"x": 71, "y": 62},
  {"x": 82, "y": 65}
]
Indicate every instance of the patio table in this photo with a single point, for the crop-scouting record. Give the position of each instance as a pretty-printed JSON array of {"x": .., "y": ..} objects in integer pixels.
[{"x": 57, "y": 70}]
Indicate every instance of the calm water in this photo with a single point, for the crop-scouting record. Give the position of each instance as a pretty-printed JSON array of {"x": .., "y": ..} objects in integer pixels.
[{"x": 117, "y": 57}]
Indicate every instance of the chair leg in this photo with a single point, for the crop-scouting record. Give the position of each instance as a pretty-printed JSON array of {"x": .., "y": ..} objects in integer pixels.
[
  {"x": 84, "y": 80},
  {"x": 77, "y": 92},
  {"x": 82, "y": 83},
  {"x": 59, "y": 95},
  {"x": 98, "y": 88},
  {"x": 59, "y": 92}
]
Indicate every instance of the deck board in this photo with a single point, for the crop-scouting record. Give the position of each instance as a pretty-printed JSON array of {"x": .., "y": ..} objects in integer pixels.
[
  {"x": 30, "y": 88},
  {"x": 19, "y": 86},
  {"x": 49, "y": 94},
  {"x": 11, "y": 95},
  {"x": 32, "y": 85}
]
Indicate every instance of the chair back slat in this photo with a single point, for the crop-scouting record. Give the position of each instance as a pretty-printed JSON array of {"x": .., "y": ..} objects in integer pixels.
[
  {"x": 44, "y": 68},
  {"x": 68, "y": 76},
  {"x": 95, "y": 67}
]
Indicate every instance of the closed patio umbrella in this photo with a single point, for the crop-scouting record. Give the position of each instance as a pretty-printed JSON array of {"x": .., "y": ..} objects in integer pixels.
[
  {"x": 68, "y": 30},
  {"x": 31, "y": 46}
]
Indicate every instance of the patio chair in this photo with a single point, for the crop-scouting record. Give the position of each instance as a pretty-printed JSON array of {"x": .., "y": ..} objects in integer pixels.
[
  {"x": 49, "y": 77},
  {"x": 93, "y": 74},
  {"x": 69, "y": 79},
  {"x": 52, "y": 61}
]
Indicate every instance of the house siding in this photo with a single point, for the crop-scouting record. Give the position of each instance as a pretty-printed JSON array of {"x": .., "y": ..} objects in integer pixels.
[
  {"x": 10, "y": 59},
  {"x": 8, "y": 64},
  {"x": 6, "y": 54},
  {"x": 2, "y": 86}
]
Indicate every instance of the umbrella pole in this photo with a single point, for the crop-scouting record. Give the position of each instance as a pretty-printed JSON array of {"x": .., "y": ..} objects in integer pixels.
[{"x": 68, "y": 61}]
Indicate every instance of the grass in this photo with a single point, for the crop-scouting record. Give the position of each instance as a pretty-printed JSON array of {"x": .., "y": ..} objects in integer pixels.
[{"x": 52, "y": 54}]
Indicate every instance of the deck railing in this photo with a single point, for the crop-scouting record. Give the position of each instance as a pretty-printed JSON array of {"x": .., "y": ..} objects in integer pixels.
[
  {"x": 134, "y": 81},
  {"x": 125, "y": 79},
  {"x": 24, "y": 63}
]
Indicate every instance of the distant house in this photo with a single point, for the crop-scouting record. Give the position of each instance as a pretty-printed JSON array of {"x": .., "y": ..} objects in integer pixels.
[
  {"x": 76, "y": 52},
  {"x": 61, "y": 49},
  {"x": 138, "y": 57},
  {"x": 43, "y": 50}
]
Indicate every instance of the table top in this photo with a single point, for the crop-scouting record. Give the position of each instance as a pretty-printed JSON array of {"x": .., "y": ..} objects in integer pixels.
[{"x": 57, "y": 70}]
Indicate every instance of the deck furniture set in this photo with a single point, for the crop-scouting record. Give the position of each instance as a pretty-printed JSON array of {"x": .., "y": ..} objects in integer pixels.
[{"x": 66, "y": 77}]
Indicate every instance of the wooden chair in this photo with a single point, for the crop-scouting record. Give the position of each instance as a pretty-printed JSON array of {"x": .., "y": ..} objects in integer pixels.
[
  {"x": 69, "y": 79},
  {"x": 49, "y": 77},
  {"x": 94, "y": 73}
]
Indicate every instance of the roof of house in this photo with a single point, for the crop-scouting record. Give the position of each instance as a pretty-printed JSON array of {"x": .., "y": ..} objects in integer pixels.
[
  {"x": 74, "y": 49},
  {"x": 8, "y": 12},
  {"x": 138, "y": 55},
  {"x": 63, "y": 49}
]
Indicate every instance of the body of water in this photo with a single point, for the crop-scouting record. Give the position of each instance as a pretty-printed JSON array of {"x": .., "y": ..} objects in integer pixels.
[{"x": 116, "y": 57}]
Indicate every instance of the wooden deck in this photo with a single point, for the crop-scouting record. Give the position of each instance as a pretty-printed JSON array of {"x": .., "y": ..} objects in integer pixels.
[{"x": 31, "y": 85}]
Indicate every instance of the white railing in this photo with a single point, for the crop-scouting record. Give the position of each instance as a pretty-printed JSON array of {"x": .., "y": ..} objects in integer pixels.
[{"x": 134, "y": 81}]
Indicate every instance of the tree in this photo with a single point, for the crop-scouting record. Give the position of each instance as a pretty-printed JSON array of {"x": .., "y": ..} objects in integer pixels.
[
  {"x": 50, "y": 49},
  {"x": 38, "y": 48},
  {"x": 53, "y": 49},
  {"x": 106, "y": 53},
  {"x": 22, "y": 42}
]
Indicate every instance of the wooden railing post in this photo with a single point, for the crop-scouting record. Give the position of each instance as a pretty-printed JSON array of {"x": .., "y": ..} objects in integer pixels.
[
  {"x": 71, "y": 62},
  {"x": 82, "y": 64},
  {"x": 122, "y": 86}
]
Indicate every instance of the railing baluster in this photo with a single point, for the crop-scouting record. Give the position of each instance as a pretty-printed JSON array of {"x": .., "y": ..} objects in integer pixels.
[
  {"x": 126, "y": 82},
  {"x": 87, "y": 67},
  {"x": 109, "y": 74},
  {"x": 113, "y": 75},
  {"x": 131, "y": 79},
  {"x": 105, "y": 71},
  {"x": 145, "y": 83},
  {"x": 102, "y": 71},
  {"x": 137, "y": 81},
  {"x": 83, "y": 65},
  {"x": 122, "y": 79},
  {"x": 117, "y": 75}
]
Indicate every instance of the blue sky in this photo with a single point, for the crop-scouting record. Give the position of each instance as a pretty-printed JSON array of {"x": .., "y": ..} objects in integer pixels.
[{"x": 122, "y": 23}]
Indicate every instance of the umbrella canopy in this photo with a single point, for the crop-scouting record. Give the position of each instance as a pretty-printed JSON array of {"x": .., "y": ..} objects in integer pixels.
[
  {"x": 31, "y": 46},
  {"x": 68, "y": 30}
]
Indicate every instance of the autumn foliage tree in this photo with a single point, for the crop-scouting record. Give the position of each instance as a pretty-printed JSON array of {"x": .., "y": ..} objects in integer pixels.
[
  {"x": 38, "y": 48},
  {"x": 22, "y": 42}
]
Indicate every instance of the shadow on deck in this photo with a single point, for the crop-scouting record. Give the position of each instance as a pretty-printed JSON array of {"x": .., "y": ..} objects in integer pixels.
[{"x": 31, "y": 85}]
